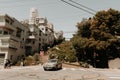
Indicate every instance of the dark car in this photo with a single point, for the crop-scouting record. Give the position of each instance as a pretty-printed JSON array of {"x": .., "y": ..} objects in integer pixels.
[{"x": 52, "y": 64}]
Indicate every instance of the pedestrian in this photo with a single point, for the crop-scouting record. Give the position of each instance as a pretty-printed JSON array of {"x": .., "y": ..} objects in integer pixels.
[
  {"x": 22, "y": 63},
  {"x": 7, "y": 64}
]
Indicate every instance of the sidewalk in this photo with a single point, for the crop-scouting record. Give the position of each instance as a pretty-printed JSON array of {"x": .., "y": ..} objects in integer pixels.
[{"x": 71, "y": 65}]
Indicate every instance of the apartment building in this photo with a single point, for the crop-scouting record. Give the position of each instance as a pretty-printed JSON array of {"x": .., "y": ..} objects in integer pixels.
[
  {"x": 18, "y": 39},
  {"x": 44, "y": 30},
  {"x": 12, "y": 38},
  {"x": 47, "y": 32}
]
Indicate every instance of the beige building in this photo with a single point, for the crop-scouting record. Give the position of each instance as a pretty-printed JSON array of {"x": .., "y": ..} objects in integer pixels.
[{"x": 12, "y": 38}]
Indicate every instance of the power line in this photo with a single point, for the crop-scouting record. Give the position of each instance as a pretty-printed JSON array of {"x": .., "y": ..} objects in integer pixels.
[
  {"x": 78, "y": 7},
  {"x": 82, "y": 6}
]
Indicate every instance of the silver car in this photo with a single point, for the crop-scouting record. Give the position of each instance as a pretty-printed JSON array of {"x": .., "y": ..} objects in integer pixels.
[{"x": 52, "y": 64}]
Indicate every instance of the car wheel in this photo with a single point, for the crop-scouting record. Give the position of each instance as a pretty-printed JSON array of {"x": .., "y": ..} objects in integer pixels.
[{"x": 56, "y": 68}]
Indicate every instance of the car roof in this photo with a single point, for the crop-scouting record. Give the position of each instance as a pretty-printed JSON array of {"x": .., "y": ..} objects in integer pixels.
[{"x": 52, "y": 60}]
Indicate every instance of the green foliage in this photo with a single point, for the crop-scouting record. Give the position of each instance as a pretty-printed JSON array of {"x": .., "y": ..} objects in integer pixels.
[
  {"x": 29, "y": 60},
  {"x": 97, "y": 36},
  {"x": 64, "y": 52}
]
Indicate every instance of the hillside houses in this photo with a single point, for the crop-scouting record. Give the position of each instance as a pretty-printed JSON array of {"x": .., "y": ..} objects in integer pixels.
[{"x": 18, "y": 39}]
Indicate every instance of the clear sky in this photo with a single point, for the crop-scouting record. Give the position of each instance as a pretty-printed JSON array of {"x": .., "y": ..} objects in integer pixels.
[{"x": 63, "y": 16}]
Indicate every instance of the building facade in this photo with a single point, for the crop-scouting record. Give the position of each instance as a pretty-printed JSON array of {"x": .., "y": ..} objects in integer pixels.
[
  {"x": 42, "y": 31},
  {"x": 12, "y": 38},
  {"x": 18, "y": 39}
]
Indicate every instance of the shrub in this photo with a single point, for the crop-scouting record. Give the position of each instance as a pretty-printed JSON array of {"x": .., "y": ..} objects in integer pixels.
[{"x": 29, "y": 61}]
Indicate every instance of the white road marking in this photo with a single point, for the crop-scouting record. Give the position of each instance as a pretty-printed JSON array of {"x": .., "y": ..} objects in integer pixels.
[
  {"x": 115, "y": 77},
  {"x": 73, "y": 69},
  {"x": 82, "y": 69},
  {"x": 64, "y": 69}
]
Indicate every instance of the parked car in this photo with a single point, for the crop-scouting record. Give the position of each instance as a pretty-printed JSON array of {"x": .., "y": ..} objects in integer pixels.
[{"x": 52, "y": 64}]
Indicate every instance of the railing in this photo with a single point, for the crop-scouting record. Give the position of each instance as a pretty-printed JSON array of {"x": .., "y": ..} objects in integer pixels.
[
  {"x": 9, "y": 37},
  {"x": 9, "y": 26},
  {"x": 8, "y": 41},
  {"x": 7, "y": 45}
]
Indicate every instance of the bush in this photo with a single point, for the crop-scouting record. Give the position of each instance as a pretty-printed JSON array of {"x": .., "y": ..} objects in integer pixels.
[
  {"x": 84, "y": 64},
  {"x": 71, "y": 58},
  {"x": 29, "y": 61},
  {"x": 36, "y": 58}
]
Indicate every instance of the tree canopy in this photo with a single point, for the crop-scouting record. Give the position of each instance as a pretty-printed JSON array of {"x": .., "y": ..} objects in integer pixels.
[
  {"x": 64, "y": 51},
  {"x": 97, "y": 37}
]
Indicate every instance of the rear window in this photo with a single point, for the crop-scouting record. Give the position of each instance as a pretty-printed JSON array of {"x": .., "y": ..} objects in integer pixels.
[{"x": 52, "y": 60}]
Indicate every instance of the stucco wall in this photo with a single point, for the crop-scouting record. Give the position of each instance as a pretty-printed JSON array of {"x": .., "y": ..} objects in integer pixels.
[{"x": 114, "y": 63}]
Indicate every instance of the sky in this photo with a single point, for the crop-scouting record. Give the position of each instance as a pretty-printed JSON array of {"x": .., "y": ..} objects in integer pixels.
[{"x": 63, "y": 16}]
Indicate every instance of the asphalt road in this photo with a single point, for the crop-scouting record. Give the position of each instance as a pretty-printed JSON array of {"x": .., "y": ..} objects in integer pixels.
[{"x": 37, "y": 73}]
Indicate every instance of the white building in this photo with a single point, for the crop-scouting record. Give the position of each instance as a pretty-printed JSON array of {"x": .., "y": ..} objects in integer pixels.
[
  {"x": 45, "y": 29},
  {"x": 47, "y": 32}
]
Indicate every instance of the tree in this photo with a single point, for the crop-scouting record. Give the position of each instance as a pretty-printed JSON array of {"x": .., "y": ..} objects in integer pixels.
[
  {"x": 95, "y": 41},
  {"x": 64, "y": 51}
]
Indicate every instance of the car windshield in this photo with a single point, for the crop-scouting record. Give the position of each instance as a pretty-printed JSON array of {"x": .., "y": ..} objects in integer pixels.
[{"x": 52, "y": 60}]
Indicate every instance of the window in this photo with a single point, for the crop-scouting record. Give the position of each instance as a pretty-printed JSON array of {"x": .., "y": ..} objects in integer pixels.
[
  {"x": 11, "y": 57},
  {"x": 5, "y": 33},
  {"x": 42, "y": 28},
  {"x": 18, "y": 33},
  {"x": 6, "y": 20},
  {"x": 40, "y": 33},
  {"x": 39, "y": 39},
  {"x": 1, "y": 31},
  {"x": 46, "y": 29},
  {"x": 45, "y": 34},
  {"x": 33, "y": 42}
]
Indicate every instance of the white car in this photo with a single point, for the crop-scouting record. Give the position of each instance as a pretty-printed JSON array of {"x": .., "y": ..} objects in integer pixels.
[{"x": 52, "y": 64}]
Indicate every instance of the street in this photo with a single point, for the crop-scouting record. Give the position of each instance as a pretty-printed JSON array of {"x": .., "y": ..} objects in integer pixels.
[{"x": 37, "y": 73}]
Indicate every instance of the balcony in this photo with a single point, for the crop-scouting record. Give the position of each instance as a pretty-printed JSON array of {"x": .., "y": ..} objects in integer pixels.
[
  {"x": 8, "y": 41},
  {"x": 8, "y": 45},
  {"x": 10, "y": 37},
  {"x": 13, "y": 46},
  {"x": 8, "y": 26}
]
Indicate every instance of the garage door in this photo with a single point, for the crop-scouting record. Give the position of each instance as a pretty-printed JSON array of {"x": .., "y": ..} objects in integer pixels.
[{"x": 2, "y": 56}]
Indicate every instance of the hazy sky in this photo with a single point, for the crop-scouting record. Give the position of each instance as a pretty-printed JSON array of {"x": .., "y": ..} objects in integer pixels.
[{"x": 63, "y": 16}]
